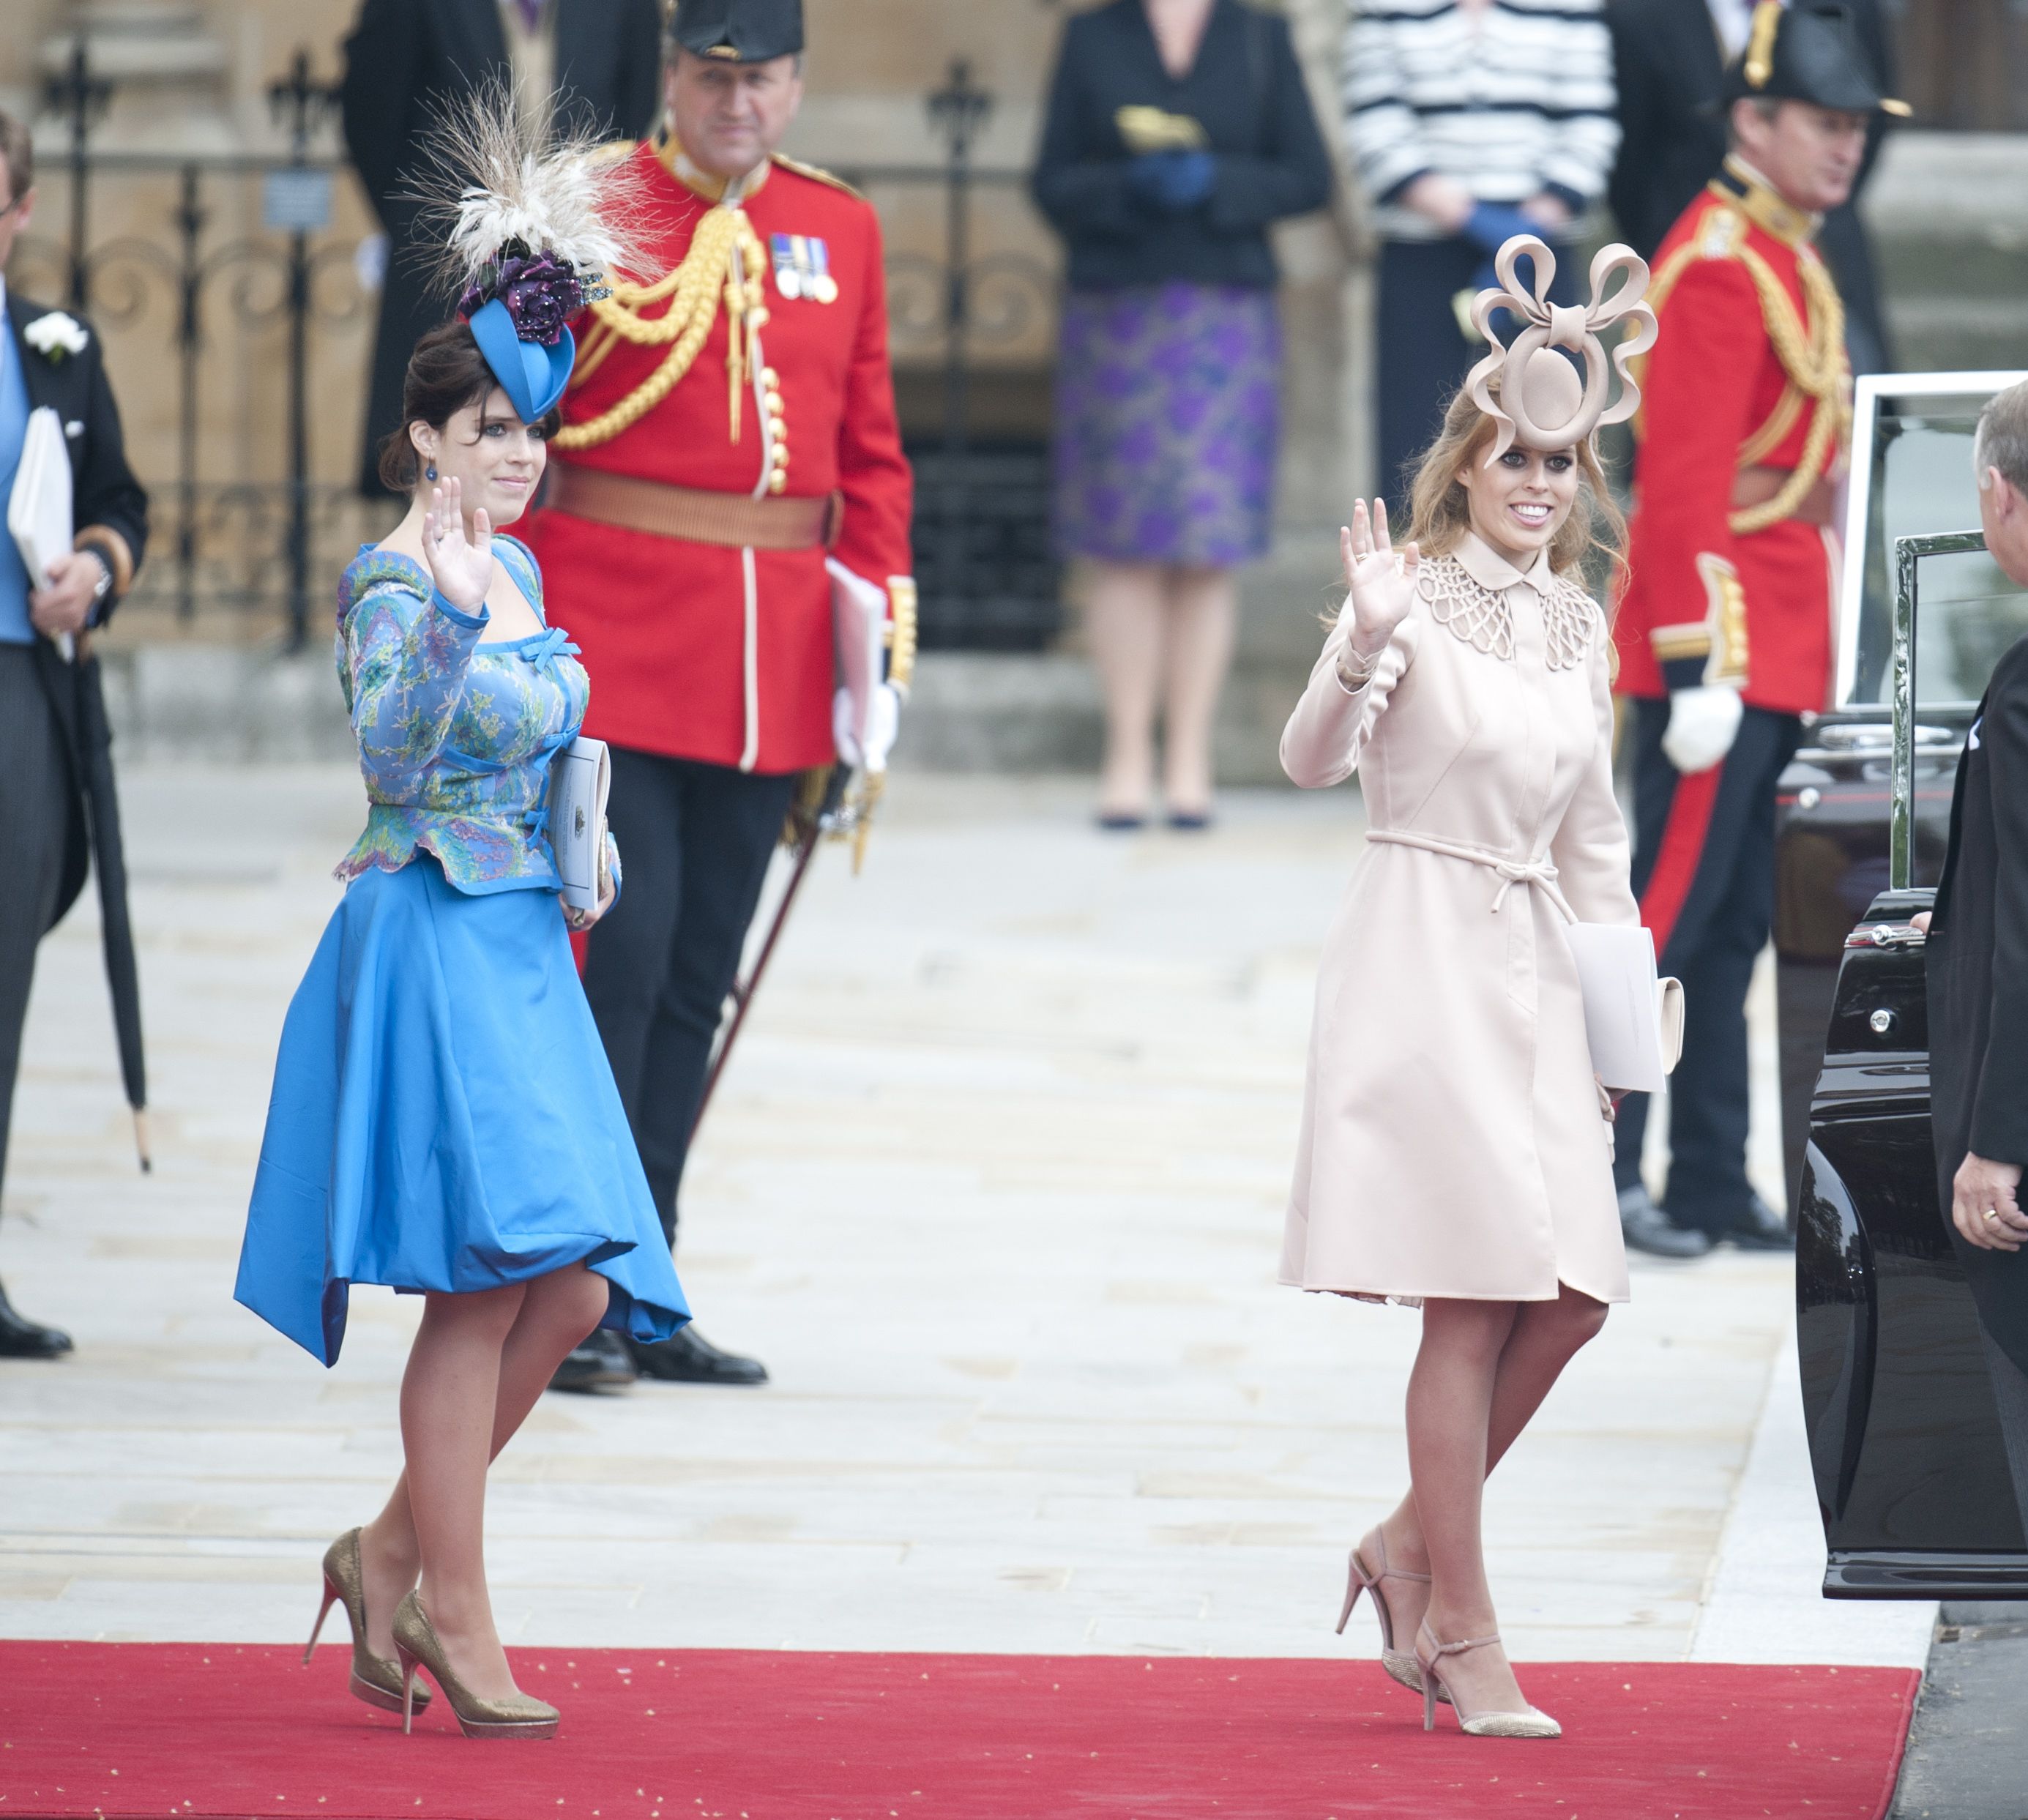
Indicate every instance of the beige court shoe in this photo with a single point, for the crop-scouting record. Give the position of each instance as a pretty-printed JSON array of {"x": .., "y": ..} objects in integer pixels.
[
  {"x": 518, "y": 1716},
  {"x": 1527, "y": 1723},
  {"x": 375, "y": 1679}
]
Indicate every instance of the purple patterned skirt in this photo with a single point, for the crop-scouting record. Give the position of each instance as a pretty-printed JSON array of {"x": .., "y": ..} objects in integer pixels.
[{"x": 1168, "y": 416}]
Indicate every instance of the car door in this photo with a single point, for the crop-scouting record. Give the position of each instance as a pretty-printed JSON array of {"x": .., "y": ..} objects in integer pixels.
[
  {"x": 1905, "y": 1444},
  {"x": 1910, "y": 466}
]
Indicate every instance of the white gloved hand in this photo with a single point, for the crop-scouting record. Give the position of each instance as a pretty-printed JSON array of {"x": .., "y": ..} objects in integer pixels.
[
  {"x": 883, "y": 722},
  {"x": 1703, "y": 723}
]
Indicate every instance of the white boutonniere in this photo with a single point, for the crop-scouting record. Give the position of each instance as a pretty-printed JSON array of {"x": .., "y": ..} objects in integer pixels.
[{"x": 55, "y": 335}]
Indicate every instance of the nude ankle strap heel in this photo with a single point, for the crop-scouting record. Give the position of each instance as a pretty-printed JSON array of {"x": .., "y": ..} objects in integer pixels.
[
  {"x": 1368, "y": 1567},
  {"x": 1528, "y": 1723}
]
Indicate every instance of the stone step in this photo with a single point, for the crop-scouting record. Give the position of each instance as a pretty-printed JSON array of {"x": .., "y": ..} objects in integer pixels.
[{"x": 1948, "y": 214}]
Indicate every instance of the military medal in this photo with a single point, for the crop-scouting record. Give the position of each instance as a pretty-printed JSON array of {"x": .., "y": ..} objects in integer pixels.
[
  {"x": 802, "y": 267},
  {"x": 788, "y": 268},
  {"x": 819, "y": 283}
]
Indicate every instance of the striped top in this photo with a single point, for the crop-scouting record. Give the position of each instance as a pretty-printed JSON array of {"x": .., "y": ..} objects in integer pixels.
[{"x": 1509, "y": 99}]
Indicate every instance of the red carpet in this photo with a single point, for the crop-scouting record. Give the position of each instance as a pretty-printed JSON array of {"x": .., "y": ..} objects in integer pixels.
[{"x": 208, "y": 1731}]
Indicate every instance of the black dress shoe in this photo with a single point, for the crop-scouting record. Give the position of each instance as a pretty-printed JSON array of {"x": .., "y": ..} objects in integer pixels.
[
  {"x": 602, "y": 1362},
  {"x": 1760, "y": 1228},
  {"x": 1646, "y": 1228},
  {"x": 689, "y": 1358},
  {"x": 21, "y": 1338}
]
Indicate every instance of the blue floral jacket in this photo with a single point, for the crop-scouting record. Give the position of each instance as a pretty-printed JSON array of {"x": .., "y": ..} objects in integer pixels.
[{"x": 455, "y": 738}]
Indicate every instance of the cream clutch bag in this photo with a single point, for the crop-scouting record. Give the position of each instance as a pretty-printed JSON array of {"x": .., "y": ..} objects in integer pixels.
[
  {"x": 1633, "y": 1021},
  {"x": 580, "y": 781}
]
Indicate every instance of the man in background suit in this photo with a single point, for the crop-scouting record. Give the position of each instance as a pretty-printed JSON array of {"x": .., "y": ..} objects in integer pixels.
[
  {"x": 48, "y": 358},
  {"x": 594, "y": 64},
  {"x": 1977, "y": 961},
  {"x": 1669, "y": 60}
]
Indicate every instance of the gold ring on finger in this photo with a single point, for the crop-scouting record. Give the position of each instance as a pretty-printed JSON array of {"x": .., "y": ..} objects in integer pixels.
[{"x": 1993, "y": 1213}]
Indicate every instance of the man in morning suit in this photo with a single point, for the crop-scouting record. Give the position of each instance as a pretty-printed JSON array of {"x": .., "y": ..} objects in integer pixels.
[
  {"x": 726, "y": 518},
  {"x": 1725, "y": 632},
  {"x": 1669, "y": 62},
  {"x": 1977, "y": 961},
  {"x": 587, "y": 63},
  {"x": 48, "y": 358}
]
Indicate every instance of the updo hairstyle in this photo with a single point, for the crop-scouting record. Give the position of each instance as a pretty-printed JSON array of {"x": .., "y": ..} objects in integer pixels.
[{"x": 446, "y": 372}]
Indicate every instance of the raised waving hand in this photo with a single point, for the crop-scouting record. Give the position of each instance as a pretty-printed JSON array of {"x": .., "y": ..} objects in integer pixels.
[
  {"x": 1380, "y": 580},
  {"x": 461, "y": 566}
]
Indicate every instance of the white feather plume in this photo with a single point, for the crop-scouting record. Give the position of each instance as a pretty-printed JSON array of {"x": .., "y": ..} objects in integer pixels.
[{"x": 487, "y": 181}]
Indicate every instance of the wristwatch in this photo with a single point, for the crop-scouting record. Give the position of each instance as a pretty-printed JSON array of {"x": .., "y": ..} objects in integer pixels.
[{"x": 103, "y": 587}]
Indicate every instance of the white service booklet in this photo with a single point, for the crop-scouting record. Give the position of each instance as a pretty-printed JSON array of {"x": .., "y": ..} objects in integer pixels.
[
  {"x": 580, "y": 781},
  {"x": 1633, "y": 1020},
  {"x": 38, "y": 509}
]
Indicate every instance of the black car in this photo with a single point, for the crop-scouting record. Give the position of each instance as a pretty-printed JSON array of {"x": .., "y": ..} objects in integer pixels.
[{"x": 1910, "y": 1464}]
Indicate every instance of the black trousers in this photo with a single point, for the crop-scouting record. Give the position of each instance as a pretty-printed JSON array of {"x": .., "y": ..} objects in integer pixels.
[
  {"x": 694, "y": 842},
  {"x": 1422, "y": 355},
  {"x": 35, "y": 819},
  {"x": 1704, "y": 869}
]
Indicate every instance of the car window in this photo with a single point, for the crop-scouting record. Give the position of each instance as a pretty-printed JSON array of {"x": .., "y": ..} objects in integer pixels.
[{"x": 1916, "y": 478}]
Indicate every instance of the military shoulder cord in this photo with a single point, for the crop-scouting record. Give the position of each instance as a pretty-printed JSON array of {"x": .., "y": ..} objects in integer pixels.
[
  {"x": 1813, "y": 361},
  {"x": 725, "y": 255}
]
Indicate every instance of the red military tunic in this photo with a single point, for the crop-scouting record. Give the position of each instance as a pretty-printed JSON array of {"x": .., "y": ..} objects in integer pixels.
[
  {"x": 693, "y": 652},
  {"x": 1747, "y": 383}
]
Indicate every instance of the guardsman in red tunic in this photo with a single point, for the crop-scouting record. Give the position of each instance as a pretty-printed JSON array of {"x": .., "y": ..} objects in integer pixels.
[
  {"x": 1725, "y": 634},
  {"x": 726, "y": 533}
]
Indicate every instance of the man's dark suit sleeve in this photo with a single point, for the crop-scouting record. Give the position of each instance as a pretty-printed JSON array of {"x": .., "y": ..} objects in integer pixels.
[
  {"x": 2000, "y": 1110},
  {"x": 383, "y": 79},
  {"x": 639, "y": 96},
  {"x": 111, "y": 511},
  {"x": 1637, "y": 112}
]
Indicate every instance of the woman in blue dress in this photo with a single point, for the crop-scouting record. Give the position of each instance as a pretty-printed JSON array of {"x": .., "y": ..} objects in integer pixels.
[{"x": 443, "y": 1120}]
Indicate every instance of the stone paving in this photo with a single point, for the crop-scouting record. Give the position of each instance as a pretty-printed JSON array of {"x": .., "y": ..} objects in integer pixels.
[{"x": 995, "y": 1188}]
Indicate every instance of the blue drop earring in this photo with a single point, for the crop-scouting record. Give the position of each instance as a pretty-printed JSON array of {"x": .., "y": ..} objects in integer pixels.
[{"x": 430, "y": 472}]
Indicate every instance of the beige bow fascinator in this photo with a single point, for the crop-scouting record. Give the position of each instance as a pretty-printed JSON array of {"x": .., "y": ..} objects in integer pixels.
[{"x": 1542, "y": 402}]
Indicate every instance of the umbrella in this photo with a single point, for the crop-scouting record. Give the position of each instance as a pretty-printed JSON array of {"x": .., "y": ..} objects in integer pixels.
[{"x": 109, "y": 860}]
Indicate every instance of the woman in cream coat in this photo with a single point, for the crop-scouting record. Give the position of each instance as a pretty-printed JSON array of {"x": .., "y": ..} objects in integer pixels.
[{"x": 1456, "y": 1147}]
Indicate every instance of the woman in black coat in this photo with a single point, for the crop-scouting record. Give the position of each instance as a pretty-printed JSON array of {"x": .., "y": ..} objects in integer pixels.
[{"x": 1177, "y": 132}]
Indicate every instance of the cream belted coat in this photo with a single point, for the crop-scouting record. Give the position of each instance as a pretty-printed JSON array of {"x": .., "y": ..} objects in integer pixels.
[{"x": 1452, "y": 1139}]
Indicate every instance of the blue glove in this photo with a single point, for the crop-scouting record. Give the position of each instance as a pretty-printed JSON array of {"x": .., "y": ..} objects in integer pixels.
[
  {"x": 1491, "y": 225},
  {"x": 1488, "y": 227},
  {"x": 1172, "y": 182}
]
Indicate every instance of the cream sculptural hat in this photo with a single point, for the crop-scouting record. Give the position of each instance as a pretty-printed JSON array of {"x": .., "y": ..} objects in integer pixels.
[{"x": 1542, "y": 403}]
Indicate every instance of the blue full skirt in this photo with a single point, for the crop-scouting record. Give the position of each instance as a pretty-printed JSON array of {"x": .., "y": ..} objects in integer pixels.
[{"x": 444, "y": 1118}]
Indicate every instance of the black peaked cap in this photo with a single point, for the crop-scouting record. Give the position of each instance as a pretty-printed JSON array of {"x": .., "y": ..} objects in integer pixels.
[
  {"x": 1815, "y": 57},
  {"x": 738, "y": 31}
]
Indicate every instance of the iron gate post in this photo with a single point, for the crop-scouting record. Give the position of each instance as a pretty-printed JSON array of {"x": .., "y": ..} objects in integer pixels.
[{"x": 959, "y": 111}]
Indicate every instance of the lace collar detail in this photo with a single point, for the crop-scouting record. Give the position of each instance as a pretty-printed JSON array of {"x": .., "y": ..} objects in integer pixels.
[{"x": 1483, "y": 617}]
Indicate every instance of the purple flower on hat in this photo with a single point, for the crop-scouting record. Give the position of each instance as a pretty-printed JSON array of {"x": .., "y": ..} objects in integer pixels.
[{"x": 542, "y": 295}]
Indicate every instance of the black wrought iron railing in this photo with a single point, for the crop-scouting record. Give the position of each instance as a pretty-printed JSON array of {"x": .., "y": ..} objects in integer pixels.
[{"x": 236, "y": 272}]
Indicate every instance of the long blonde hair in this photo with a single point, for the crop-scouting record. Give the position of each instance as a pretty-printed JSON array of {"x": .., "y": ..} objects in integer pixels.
[{"x": 1590, "y": 540}]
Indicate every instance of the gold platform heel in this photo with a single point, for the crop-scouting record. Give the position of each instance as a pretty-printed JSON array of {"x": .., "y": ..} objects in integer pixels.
[
  {"x": 375, "y": 1679},
  {"x": 516, "y": 1717},
  {"x": 1528, "y": 1723}
]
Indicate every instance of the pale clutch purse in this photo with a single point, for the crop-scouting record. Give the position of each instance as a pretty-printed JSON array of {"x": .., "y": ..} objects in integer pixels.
[{"x": 1633, "y": 1021}]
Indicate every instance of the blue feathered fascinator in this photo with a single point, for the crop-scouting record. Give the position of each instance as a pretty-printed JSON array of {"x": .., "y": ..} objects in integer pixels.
[{"x": 527, "y": 229}]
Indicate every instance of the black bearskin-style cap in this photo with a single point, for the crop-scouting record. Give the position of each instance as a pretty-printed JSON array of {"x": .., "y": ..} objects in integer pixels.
[
  {"x": 738, "y": 30},
  {"x": 1806, "y": 52}
]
